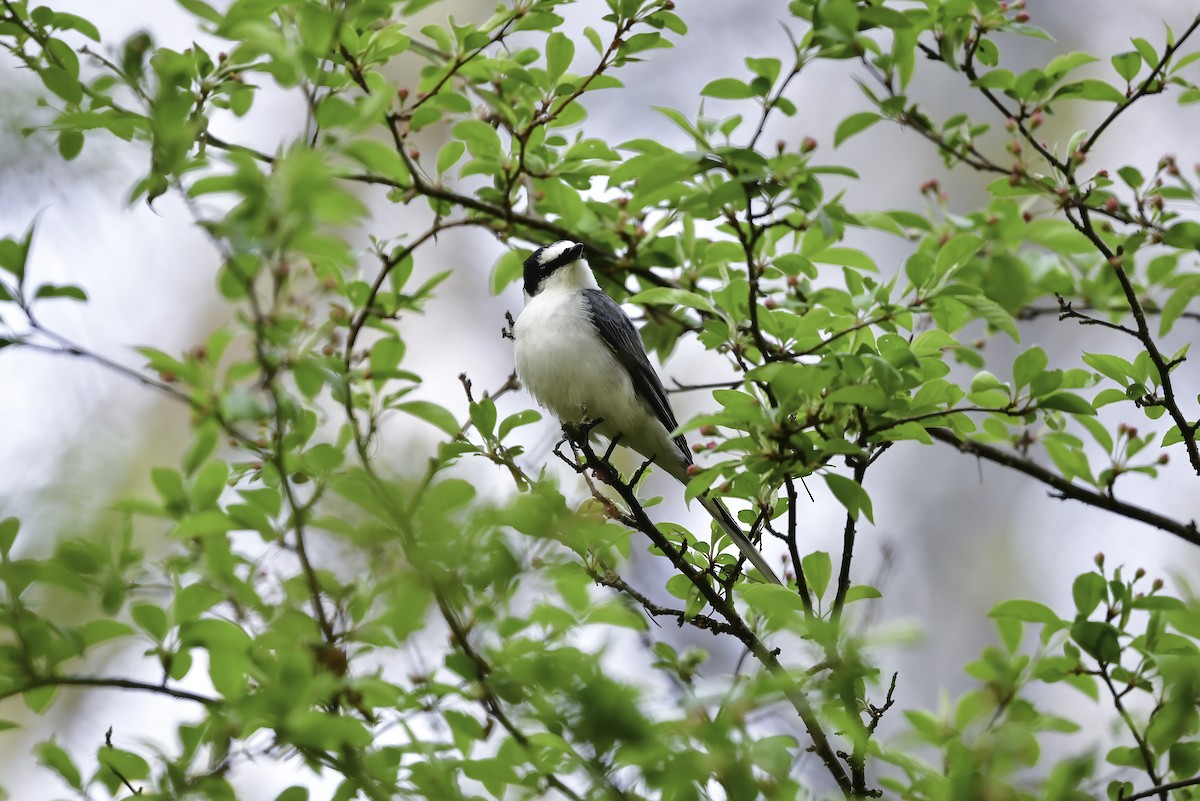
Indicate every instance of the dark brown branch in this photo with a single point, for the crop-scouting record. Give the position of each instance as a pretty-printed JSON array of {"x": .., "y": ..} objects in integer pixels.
[
  {"x": 793, "y": 544},
  {"x": 1034, "y": 312},
  {"x": 638, "y": 519},
  {"x": 1187, "y": 430},
  {"x": 109, "y": 683},
  {"x": 1143, "y": 746},
  {"x": 1067, "y": 489},
  {"x": 1066, "y": 312},
  {"x": 861, "y": 463},
  {"x": 610, "y": 579},
  {"x": 1168, "y": 787}
]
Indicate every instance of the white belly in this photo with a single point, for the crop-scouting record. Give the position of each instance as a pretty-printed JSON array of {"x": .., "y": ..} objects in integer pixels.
[{"x": 571, "y": 372}]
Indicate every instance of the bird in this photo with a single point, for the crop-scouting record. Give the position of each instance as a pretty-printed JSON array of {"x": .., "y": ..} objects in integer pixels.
[{"x": 580, "y": 357}]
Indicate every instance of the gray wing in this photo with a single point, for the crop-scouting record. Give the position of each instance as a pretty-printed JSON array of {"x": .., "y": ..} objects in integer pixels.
[{"x": 617, "y": 331}]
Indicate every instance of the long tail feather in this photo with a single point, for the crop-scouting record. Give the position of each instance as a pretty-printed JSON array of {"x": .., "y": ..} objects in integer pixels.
[{"x": 730, "y": 525}]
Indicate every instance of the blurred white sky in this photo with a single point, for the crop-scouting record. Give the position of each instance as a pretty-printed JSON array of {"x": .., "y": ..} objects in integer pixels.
[{"x": 962, "y": 536}]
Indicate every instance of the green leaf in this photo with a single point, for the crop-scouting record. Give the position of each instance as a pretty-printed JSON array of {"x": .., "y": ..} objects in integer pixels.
[
  {"x": 996, "y": 79},
  {"x": 818, "y": 570},
  {"x": 508, "y": 268},
  {"x": 1088, "y": 590},
  {"x": 129, "y": 765},
  {"x": 1114, "y": 367},
  {"x": 860, "y": 592},
  {"x": 52, "y": 756},
  {"x": 560, "y": 52},
  {"x": 9, "y": 527},
  {"x": 62, "y": 83},
  {"x": 296, "y": 793},
  {"x": 767, "y": 68},
  {"x": 1100, "y": 640},
  {"x": 449, "y": 155},
  {"x": 1029, "y": 611},
  {"x": 14, "y": 253},
  {"x": 850, "y": 494},
  {"x": 202, "y": 446},
  {"x": 1127, "y": 64},
  {"x": 53, "y": 290},
  {"x": 432, "y": 413},
  {"x": 65, "y": 21},
  {"x": 70, "y": 144},
  {"x": 1065, "y": 62},
  {"x": 956, "y": 252},
  {"x": 483, "y": 416},
  {"x": 480, "y": 138},
  {"x": 193, "y": 600},
  {"x": 521, "y": 418},
  {"x": 1066, "y": 402},
  {"x": 669, "y": 296},
  {"x": 1092, "y": 89},
  {"x": 204, "y": 11},
  {"x": 1056, "y": 235},
  {"x": 992, "y": 312},
  {"x": 1184, "y": 235},
  {"x": 150, "y": 619},
  {"x": 727, "y": 89},
  {"x": 1028, "y": 366},
  {"x": 853, "y": 124}
]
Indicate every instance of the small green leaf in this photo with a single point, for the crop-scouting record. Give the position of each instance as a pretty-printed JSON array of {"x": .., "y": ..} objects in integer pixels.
[
  {"x": 150, "y": 619},
  {"x": 1061, "y": 64},
  {"x": 53, "y": 290},
  {"x": 669, "y": 296},
  {"x": 296, "y": 793},
  {"x": 480, "y": 138},
  {"x": 508, "y": 268},
  {"x": 521, "y": 418},
  {"x": 1114, "y": 367},
  {"x": 449, "y": 155},
  {"x": 204, "y": 11},
  {"x": 70, "y": 144},
  {"x": 860, "y": 592},
  {"x": 1066, "y": 402},
  {"x": 1088, "y": 590},
  {"x": 1028, "y": 366},
  {"x": 818, "y": 570},
  {"x": 9, "y": 527},
  {"x": 52, "y": 756},
  {"x": 850, "y": 494},
  {"x": 853, "y": 124},
  {"x": 1029, "y": 611},
  {"x": 1184, "y": 234},
  {"x": 1127, "y": 64},
  {"x": 560, "y": 51},
  {"x": 727, "y": 89},
  {"x": 996, "y": 79},
  {"x": 432, "y": 413},
  {"x": 992, "y": 312},
  {"x": 1100, "y": 640}
]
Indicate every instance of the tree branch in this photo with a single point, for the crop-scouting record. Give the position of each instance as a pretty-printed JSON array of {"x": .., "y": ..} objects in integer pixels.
[
  {"x": 637, "y": 518},
  {"x": 1067, "y": 489},
  {"x": 109, "y": 683}
]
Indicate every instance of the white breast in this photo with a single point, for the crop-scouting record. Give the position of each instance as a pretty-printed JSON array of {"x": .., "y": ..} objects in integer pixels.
[{"x": 571, "y": 372}]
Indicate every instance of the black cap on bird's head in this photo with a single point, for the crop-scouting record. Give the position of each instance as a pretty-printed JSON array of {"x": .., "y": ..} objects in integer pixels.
[{"x": 543, "y": 262}]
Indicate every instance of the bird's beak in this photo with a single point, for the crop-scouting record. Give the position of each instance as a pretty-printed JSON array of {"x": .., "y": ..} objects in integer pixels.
[{"x": 575, "y": 252}]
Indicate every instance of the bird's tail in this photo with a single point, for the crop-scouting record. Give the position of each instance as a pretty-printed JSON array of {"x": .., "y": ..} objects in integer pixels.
[{"x": 730, "y": 526}]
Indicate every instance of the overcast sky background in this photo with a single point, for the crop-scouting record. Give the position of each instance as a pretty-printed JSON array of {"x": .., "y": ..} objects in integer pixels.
[{"x": 961, "y": 536}]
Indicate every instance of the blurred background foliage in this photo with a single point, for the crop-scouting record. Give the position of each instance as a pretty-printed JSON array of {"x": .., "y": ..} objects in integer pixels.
[{"x": 943, "y": 253}]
